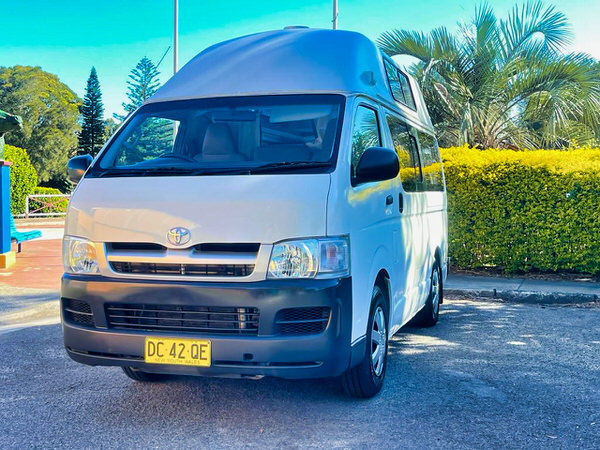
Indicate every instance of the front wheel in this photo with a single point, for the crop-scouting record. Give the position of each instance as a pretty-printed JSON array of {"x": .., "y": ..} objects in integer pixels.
[{"x": 366, "y": 379}]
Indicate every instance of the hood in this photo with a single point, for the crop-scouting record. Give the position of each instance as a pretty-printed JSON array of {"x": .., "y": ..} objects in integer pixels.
[{"x": 216, "y": 209}]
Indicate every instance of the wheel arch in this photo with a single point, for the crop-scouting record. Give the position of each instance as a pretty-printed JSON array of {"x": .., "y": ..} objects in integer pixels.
[
  {"x": 383, "y": 281},
  {"x": 437, "y": 259}
]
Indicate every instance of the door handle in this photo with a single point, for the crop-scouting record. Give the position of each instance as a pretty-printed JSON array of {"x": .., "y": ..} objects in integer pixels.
[
  {"x": 389, "y": 200},
  {"x": 400, "y": 203}
]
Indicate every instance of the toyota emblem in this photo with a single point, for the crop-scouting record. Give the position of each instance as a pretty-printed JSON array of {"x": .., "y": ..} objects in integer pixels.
[{"x": 179, "y": 236}]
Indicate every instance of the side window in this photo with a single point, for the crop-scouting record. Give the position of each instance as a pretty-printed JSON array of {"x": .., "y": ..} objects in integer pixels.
[
  {"x": 405, "y": 146},
  {"x": 433, "y": 177},
  {"x": 399, "y": 85},
  {"x": 408, "y": 96},
  {"x": 365, "y": 134},
  {"x": 395, "y": 87}
]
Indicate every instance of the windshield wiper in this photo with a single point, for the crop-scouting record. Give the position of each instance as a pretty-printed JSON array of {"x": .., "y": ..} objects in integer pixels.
[
  {"x": 288, "y": 165},
  {"x": 226, "y": 171},
  {"x": 191, "y": 171},
  {"x": 144, "y": 172}
]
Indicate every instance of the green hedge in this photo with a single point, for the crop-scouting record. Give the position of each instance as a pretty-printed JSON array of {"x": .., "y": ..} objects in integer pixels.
[
  {"x": 524, "y": 211},
  {"x": 23, "y": 177}
]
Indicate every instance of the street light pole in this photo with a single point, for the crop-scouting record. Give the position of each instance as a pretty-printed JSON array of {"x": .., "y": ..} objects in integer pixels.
[
  {"x": 175, "y": 32},
  {"x": 335, "y": 14}
]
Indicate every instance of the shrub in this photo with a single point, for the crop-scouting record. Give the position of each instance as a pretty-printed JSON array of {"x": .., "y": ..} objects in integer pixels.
[
  {"x": 23, "y": 177},
  {"x": 535, "y": 210},
  {"x": 58, "y": 205}
]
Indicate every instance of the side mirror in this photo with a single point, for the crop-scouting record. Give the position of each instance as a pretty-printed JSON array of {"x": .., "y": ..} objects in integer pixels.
[
  {"x": 77, "y": 166},
  {"x": 377, "y": 164}
]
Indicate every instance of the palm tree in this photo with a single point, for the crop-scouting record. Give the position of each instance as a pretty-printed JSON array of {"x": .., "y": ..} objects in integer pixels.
[{"x": 505, "y": 83}]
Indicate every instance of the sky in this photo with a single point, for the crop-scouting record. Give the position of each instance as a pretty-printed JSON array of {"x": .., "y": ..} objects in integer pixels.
[{"x": 68, "y": 37}]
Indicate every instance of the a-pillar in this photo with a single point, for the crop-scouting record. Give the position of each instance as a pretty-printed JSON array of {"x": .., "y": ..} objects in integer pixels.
[{"x": 7, "y": 258}]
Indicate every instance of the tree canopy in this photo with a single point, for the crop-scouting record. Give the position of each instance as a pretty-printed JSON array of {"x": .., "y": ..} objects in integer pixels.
[
  {"x": 142, "y": 84},
  {"x": 92, "y": 135},
  {"x": 50, "y": 112},
  {"x": 505, "y": 82}
]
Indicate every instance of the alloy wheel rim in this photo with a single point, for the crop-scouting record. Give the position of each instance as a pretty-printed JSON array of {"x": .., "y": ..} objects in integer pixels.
[{"x": 378, "y": 341}]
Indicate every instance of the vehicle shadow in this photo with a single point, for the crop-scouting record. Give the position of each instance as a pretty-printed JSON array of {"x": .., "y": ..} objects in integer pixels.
[{"x": 413, "y": 352}]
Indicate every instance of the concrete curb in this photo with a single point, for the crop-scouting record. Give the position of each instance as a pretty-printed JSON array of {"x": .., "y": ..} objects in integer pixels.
[{"x": 527, "y": 297}]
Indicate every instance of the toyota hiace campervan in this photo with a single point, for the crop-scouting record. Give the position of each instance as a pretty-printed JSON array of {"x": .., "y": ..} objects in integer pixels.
[{"x": 277, "y": 208}]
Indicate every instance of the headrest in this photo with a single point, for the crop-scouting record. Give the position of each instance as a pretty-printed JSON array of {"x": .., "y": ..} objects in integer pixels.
[
  {"x": 218, "y": 140},
  {"x": 323, "y": 153}
]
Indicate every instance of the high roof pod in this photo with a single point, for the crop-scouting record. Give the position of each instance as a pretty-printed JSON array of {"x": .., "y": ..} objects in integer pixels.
[{"x": 289, "y": 61}]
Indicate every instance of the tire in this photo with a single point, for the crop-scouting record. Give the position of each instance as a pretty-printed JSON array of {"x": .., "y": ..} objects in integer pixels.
[
  {"x": 366, "y": 379},
  {"x": 144, "y": 377},
  {"x": 429, "y": 315}
]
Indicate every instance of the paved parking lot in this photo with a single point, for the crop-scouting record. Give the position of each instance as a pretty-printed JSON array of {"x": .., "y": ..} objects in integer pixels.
[{"x": 489, "y": 375}]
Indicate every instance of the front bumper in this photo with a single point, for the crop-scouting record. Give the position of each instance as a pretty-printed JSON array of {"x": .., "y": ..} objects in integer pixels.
[{"x": 327, "y": 353}]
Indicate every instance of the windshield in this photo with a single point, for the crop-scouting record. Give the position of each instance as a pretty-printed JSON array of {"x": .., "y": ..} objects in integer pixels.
[{"x": 228, "y": 135}]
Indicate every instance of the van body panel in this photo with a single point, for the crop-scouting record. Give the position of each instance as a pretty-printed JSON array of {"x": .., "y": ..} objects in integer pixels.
[
  {"x": 431, "y": 219},
  {"x": 362, "y": 213},
  {"x": 402, "y": 244},
  {"x": 240, "y": 209}
]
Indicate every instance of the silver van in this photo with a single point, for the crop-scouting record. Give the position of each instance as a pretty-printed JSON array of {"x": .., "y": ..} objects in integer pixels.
[{"x": 277, "y": 208}]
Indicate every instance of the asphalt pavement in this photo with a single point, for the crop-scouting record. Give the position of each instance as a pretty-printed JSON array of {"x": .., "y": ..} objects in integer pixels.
[{"x": 489, "y": 375}]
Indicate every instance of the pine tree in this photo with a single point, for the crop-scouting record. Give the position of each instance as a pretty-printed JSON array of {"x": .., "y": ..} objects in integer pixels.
[
  {"x": 92, "y": 135},
  {"x": 142, "y": 85}
]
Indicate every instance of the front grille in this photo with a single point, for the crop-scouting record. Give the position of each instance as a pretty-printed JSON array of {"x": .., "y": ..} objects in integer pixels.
[
  {"x": 302, "y": 320},
  {"x": 77, "y": 311},
  {"x": 228, "y": 247},
  {"x": 208, "y": 247},
  {"x": 137, "y": 246},
  {"x": 204, "y": 270},
  {"x": 185, "y": 319}
]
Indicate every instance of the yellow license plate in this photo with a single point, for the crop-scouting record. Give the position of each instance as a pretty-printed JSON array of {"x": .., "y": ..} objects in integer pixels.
[{"x": 184, "y": 352}]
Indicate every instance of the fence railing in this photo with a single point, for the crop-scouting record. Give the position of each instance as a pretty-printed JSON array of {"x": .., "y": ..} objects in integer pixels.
[{"x": 46, "y": 205}]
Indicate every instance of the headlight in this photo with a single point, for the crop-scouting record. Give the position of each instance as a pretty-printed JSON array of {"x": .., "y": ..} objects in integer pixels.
[
  {"x": 310, "y": 258},
  {"x": 79, "y": 255}
]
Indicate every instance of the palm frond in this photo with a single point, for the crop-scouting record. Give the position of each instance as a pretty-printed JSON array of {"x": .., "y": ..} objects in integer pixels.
[
  {"x": 533, "y": 25},
  {"x": 402, "y": 42},
  {"x": 505, "y": 83}
]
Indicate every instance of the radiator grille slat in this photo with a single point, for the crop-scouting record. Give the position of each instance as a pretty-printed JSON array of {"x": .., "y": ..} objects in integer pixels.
[
  {"x": 179, "y": 328},
  {"x": 159, "y": 309},
  {"x": 191, "y": 319},
  {"x": 202, "y": 270}
]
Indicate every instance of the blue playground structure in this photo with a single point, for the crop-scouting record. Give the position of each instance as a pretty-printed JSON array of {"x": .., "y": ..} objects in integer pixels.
[
  {"x": 8, "y": 230},
  {"x": 21, "y": 236}
]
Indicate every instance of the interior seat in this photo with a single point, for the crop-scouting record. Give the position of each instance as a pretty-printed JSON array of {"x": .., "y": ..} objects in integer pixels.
[
  {"x": 323, "y": 153},
  {"x": 219, "y": 145}
]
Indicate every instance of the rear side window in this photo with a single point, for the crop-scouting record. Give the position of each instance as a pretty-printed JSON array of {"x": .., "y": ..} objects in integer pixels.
[
  {"x": 365, "y": 134},
  {"x": 408, "y": 96},
  {"x": 399, "y": 85},
  {"x": 406, "y": 149},
  {"x": 433, "y": 176}
]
